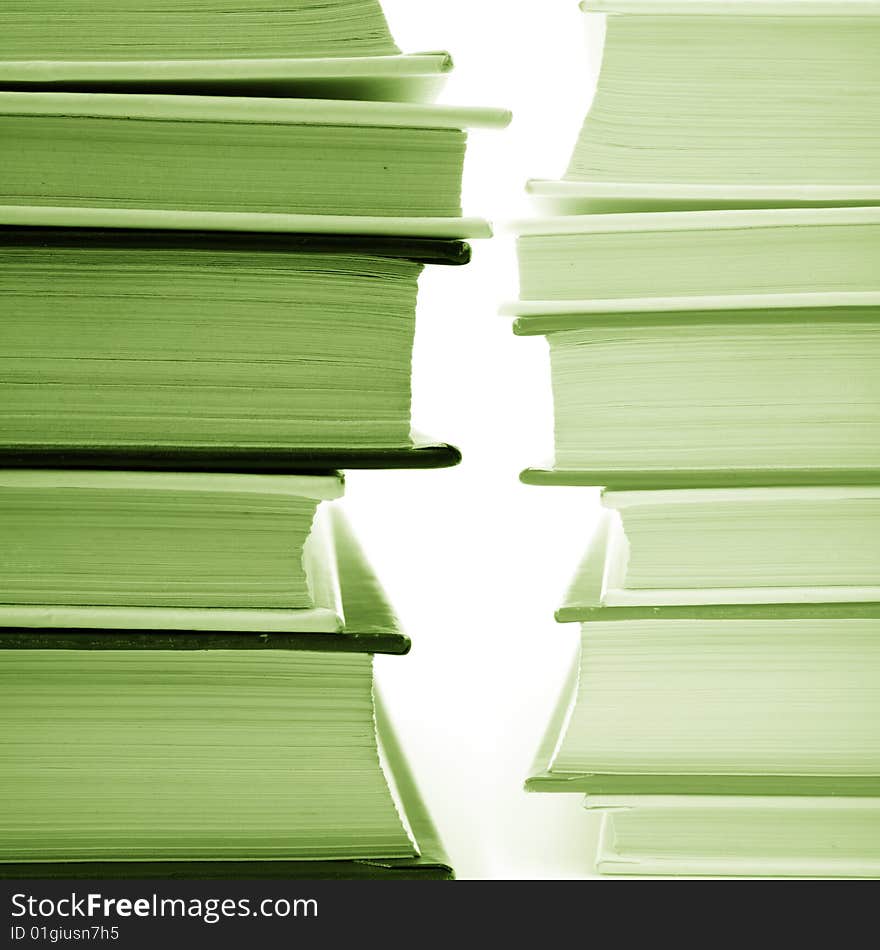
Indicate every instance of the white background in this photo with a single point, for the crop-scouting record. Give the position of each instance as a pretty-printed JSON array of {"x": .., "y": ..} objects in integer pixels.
[{"x": 473, "y": 561}]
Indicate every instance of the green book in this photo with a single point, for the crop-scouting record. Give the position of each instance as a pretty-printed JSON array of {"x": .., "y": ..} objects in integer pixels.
[
  {"x": 595, "y": 592},
  {"x": 309, "y": 48},
  {"x": 708, "y": 104},
  {"x": 424, "y": 859},
  {"x": 187, "y": 551},
  {"x": 351, "y": 613},
  {"x": 230, "y": 757},
  {"x": 746, "y": 836},
  {"x": 723, "y": 699},
  {"x": 710, "y": 258},
  {"x": 115, "y": 160},
  {"x": 714, "y": 706},
  {"x": 786, "y": 392},
  {"x": 239, "y": 352},
  {"x": 741, "y": 546}
]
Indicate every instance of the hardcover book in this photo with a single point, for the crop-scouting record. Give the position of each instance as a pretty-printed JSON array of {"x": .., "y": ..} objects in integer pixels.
[
  {"x": 726, "y": 259},
  {"x": 713, "y": 104},
  {"x": 740, "y": 546},
  {"x": 782, "y": 392},
  {"x": 338, "y": 49},
  {"x": 730, "y": 836},
  {"x": 177, "y": 551},
  {"x": 210, "y": 349},
  {"x": 110, "y": 160},
  {"x": 133, "y": 539}
]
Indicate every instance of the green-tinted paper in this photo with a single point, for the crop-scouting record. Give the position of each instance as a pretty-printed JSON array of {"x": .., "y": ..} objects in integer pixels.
[
  {"x": 431, "y": 862},
  {"x": 280, "y": 156},
  {"x": 303, "y": 50},
  {"x": 703, "y": 398},
  {"x": 728, "y": 105},
  {"x": 720, "y": 707},
  {"x": 209, "y": 349},
  {"x": 585, "y": 601},
  {"x": 353, "y": 614},
  {"x": 742, "y": 545},
  {"x": 283, "y": 741},
  {"x": 749, "y": 836},
  {"x": 122, "y": 540},
  {"x": 202, "y": 29},
  {"x": 573, "y": 262}
]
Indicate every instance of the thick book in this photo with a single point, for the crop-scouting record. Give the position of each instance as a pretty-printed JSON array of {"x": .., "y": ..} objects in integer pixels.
[
  {"x": 710, "y": 706},
  {"x": 152, "y": 559},
  {"x": 340, "y": 49},
  {"x": 283, "y": 733},
  {"x": 773, "y": 391},
  {"x": 710, "y": 257},
  {"x": 711, "y": 104},
  {"x": 119, "y": 160},
  {"x": 344, "y": 805},
  {"x": 740, "y": 546},
  {"x": 428, "y": 861},
  {"x": 726, "y": 699},
  {"x": 738, "y": 836},
  {"x": 174, "y": 349}
]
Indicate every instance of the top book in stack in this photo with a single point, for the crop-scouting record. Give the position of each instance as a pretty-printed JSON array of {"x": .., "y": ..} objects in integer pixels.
[
  {"x": 703, "y": 104},
  {"x": 322, "y": 48}
]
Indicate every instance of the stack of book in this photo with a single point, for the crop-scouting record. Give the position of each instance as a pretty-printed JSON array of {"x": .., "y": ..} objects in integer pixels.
[
  {"x": 714, "y": 338},
  {"x": 209, "y": 311}
]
